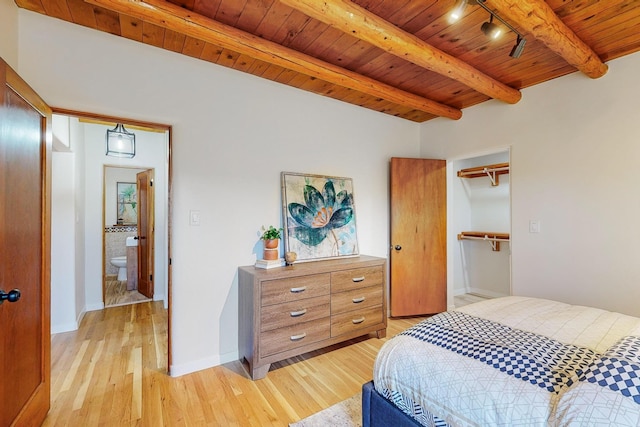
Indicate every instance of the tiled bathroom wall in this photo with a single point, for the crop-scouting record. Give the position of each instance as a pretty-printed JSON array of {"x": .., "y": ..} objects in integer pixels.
[{"x": 114, "y": 242}]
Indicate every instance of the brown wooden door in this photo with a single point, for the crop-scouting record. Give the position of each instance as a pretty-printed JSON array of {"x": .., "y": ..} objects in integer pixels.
[
  {"x": 418, "y": 261},
  {"x": 145, "y": 232},
  {"x": 25, "y": 159}
]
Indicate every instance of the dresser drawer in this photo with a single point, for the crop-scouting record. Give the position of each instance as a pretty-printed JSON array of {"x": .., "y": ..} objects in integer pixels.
[
  {"x": 356, "y": 278},
  {"x": 355, "y": 320},
  {"x": 293, "y": 313},
  {"x": 356, "y": 299},
  {"x": 294, "y": 288},
  {"x": 279, "y": 340}
]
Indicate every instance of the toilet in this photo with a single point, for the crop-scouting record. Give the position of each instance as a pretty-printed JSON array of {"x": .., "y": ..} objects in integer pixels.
[{"x": 121, "y": 263}]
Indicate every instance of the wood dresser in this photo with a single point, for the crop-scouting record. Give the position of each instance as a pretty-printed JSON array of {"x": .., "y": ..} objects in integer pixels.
[{"x": 296, "y": 309}]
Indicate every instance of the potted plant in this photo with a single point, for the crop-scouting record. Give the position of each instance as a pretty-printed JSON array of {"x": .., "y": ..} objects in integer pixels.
[{"x": 271, "y": 237}]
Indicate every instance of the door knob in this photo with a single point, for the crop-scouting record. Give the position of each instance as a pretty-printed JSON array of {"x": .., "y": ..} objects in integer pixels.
[
  {"x": 11, "y": 296},
  {"x": 398, "y": 248}
]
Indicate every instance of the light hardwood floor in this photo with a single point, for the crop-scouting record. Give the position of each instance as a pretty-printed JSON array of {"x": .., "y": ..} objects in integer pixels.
[
  {"x": 116, "y": 293},
  {"x": 111, "y": 372}
]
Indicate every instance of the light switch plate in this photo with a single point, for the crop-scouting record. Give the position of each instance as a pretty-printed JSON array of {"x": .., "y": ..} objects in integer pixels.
[
  {"x": 194, "y": 218},
  {"x": 534, "y": 226}
]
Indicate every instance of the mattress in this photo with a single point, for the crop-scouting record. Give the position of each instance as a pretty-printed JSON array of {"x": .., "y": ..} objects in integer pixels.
[{"x": 515, "y": 361}]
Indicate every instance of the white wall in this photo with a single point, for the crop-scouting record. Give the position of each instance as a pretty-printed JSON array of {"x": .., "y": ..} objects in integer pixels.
[
  {"x": 63, "y": 283},
  {"x": 232, "y": 136},
  {"x": 9, "y": 36},
  {"x": 574, "y": 162},
  {"x": 75, "y": 134}
]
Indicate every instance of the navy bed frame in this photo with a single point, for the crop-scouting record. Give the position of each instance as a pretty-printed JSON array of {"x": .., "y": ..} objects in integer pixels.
[{"x": 378, "y": 411}]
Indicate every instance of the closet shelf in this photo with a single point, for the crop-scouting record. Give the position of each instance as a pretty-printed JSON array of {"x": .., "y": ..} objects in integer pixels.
[
  {"x": 492, "y": 171},
  {"x": 489, "y": 236}
]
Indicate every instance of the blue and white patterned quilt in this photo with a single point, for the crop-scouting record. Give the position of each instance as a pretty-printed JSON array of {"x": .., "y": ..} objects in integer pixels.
[
  {"x": 608, "y": 393},
  {"x": 515, "y": 361}
]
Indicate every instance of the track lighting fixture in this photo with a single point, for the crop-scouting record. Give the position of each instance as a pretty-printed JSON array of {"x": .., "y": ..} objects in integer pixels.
[
  {"x": 458, "y": 11},
  {"x": 518, "y": 48},
  {"x": 490, "y": 29}
]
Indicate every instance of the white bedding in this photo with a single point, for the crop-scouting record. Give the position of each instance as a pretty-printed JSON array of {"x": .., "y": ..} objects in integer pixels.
[{"x": 513, "y": 361}]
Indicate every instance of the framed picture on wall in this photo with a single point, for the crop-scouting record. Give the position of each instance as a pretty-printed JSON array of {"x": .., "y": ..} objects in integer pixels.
[
  {"x": 127, "y": 203},
  {"x": 320, "y": 216}
]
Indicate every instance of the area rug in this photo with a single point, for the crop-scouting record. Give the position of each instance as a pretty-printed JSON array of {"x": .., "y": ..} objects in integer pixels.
[{"x": 347, "y": 413}]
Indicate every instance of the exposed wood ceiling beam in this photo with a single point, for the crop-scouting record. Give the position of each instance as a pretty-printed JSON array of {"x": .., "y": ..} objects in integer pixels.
[
  {"x": 359, "y": 22},
  {"x": 537, "y": 18},
  {"x": 169, "y": 16}
]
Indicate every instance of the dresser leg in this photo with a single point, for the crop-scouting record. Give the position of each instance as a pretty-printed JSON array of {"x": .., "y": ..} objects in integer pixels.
[
  {"x": 259, "y": 372},
  {"x": 381, "y": 333}
]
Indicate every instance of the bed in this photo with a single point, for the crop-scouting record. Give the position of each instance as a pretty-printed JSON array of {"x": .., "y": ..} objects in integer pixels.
[{"x": 510, "y": 361}]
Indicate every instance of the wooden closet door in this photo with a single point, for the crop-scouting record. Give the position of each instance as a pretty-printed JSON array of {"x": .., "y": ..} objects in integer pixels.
[{"x": 418, "y": 260}]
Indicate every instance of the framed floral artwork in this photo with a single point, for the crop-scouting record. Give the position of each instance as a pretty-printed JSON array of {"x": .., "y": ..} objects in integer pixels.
[
  {"x": 127, "y": 201},
  {"x": 320, "y": 216}
]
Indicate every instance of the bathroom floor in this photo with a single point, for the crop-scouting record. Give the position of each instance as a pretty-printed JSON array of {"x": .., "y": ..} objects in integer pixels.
[{"x": 116, "y": 293}]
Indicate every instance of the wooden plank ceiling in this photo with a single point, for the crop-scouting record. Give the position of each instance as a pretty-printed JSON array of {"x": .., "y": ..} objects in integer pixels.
[{"x": 399, "y": 57}]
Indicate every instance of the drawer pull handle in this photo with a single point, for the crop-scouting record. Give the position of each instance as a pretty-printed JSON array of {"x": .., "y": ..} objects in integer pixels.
[
  {"x": 298, "y": 313},
  {"x": 356, "y": 321},
  {"x": 298, "y": 290},
  {"x": 358, "y": 279},
  {"x": 298, "y": 337},
  {"x": 358, "y": 300}
]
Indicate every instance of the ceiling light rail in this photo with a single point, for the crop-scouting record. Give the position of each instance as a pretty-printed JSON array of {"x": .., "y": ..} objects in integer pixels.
[{"x": 492, "y": 171}]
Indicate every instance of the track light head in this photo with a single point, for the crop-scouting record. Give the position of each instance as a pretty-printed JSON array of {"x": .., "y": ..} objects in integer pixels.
[
  {"x": 490, "y": 29},
  {"x": 458, "y": 11},
  {"x": 518, "y": 48}
]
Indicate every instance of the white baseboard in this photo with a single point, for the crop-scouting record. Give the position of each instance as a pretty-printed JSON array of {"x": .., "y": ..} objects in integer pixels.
[
  {"x": 478, "y": 291},
  {"x": 80, "y": 317},
  {"x": 486, "y": 293},
  {"x": 199, "y": 365},
  {"x": 68, "y": 327},
  {"x": 95, "y": 307},
  {"x": 65, "y": 327},
  {"x": 458, "y": 292}
]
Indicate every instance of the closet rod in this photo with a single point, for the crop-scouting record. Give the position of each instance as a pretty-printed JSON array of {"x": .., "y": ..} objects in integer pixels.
[
  {"x": 487, "y": 238},
  {"x": 493, "y": 238},
  {"x": 491, "y": 171},
  {"x": 463, "y": 173}
]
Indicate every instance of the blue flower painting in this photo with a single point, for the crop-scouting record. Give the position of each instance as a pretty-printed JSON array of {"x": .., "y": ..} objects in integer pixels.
[{"x": 320, "y": 216}]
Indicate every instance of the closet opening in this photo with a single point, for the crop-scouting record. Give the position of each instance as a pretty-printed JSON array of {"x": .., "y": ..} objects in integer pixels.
[{"x": 479, "y": 226}]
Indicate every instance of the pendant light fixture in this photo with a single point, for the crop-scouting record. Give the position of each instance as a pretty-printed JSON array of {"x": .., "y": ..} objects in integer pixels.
[{"x": 120, "y": 142}]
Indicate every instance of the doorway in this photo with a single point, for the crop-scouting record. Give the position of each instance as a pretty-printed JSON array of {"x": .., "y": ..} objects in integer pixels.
[
  {"x": 80, "y": 287},
  {"x": 128, "y": 238}
]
